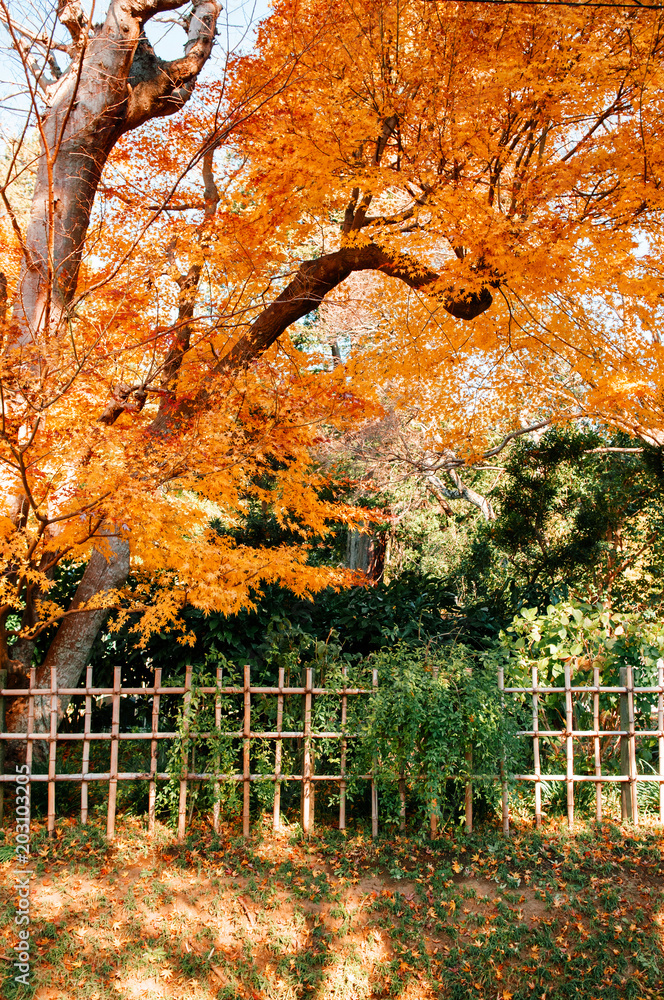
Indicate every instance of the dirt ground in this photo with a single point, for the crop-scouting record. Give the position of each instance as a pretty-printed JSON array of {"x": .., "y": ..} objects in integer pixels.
[{"x": 338, "y": 917}]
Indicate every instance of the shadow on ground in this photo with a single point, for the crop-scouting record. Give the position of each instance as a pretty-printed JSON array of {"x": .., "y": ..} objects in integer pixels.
[{"x": 543, "y": 915}]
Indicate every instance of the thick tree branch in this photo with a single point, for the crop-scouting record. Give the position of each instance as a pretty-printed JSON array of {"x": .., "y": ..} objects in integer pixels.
[
  {"x": 188, "y": 283},
  {"x": 131, "y": 399},
  {"x": 158, "y": 88},
  {"x": 472, "y": 496},
  {"x": 316, "y": 278},
  {"x": 3, "y": 297},
  {"x": 114, "y": 83},
  {"x": 462, "y": 492},
  {"x": 313, "y": 281},
  {"x": 211, "y": 192},
  {"x": 71, "y": 16}
]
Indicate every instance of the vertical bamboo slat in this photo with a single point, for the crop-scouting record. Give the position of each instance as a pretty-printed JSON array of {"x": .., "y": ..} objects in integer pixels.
[
  {"x": 154, "y": 753},
  {"x": 184, "y": 756},
  {"x": 468, "y": 787},
  {"x": 660, "y": 738},
  {"x": 503, "y": 783},
  {"x": 115, "y": 746},
  {"x": 31, "y": 718},
  {"x": 52, "y": 752},
  {"x": 216, "y": 808},
  {"x": 625, "y": 796},
  {"x": 342, "y": 785},
  {"x": 85, "y": 759},
  {"x": 246, "y": 758},
  {"x": 597, "y": 747},
  {"x": 433, "y": 818},
  {"x": 307, "y": 769},
  {"x": 468, "y": 805},
  {"x": 3, "y": 684},
  {"x": 29, "y": 729},
  {"x": 536, "y": 752},
  {"x": 276, "y": 809},
  {"x": 632, "y": 744},
  {"x": 374, "y": 787},
  {"x": 569, "y": 746}
]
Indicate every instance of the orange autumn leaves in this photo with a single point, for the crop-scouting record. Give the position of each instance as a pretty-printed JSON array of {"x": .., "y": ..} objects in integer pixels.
[
  {"x": 520, "y": 148},
  {"x": 514, "y": 149}
]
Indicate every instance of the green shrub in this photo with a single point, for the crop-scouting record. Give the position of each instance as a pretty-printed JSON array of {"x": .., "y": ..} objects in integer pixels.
[{"x": 435, "y": 721}]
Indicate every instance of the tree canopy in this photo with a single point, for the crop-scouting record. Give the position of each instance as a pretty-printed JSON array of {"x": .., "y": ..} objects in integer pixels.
[{"x": 465, "y": 197}]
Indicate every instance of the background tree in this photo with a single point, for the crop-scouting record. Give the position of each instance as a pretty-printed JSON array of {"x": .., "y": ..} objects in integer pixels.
[{"x": 579, "y": 513}]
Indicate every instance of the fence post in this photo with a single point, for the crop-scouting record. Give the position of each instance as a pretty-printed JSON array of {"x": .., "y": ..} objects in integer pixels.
[
  {"x": 569, "y": 746},
  {"x": 31, "y": 718},
  {"x": 52, "y": 751},
  {"x": 469, "y": 793},
  {"x": 29, "y": 728},
  {"x": 85, "y": 759},
  {"x": 276, "y": 811},
  {"x": 307, "y": 769},
  {"x": 625, "y": 791},
  {"x": 342, "y": 785},
  {"x": 154, "y": 753},
  {"x": 632, "y": 744},
  {"x": 503, "y": 783},
  {"x": 115, "y": 746},
  {"x": 374, "y": 788},
  {"x": 596, "y": 741},
  {"x": 433, "y": 818},
  {"x": 536, "y": 752},
  {"x": 216, "y": 808},
  {"x": 3, "y": 684},
  {"x": 246, "y": 752},
  {"x": 184, "y": 756},
  {"x": 660, "y": 738}
]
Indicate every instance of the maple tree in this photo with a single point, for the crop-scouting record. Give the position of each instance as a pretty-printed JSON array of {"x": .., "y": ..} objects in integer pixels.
[{"x": 470, "y": 195}]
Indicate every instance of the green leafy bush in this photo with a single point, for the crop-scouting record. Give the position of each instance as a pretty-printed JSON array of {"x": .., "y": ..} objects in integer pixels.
[
  {"x": 583, "y": 637},
  {"x": 435, "y": 721}
]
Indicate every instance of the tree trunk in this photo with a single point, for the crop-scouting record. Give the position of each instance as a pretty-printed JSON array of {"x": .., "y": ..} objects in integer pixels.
[
  {"x": 365, "y": 551},
  {"x": 70, "y": 649},
  {"x": 114, "y": 83}
]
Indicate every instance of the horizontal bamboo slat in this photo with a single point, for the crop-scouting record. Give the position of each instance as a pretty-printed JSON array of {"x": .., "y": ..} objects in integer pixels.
[
  {"x": 98, "y": 691},
  {"x": 189, "y": 776}
]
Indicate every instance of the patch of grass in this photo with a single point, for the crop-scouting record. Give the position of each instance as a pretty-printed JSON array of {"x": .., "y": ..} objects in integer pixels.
[
  {"x": 543, "y": 914},
  {"x": 11, "y": 990},
  {"x": 83, "y": 849}
]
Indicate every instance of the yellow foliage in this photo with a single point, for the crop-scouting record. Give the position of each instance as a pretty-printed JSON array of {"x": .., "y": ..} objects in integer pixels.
[{"x": 512, "y": 149}]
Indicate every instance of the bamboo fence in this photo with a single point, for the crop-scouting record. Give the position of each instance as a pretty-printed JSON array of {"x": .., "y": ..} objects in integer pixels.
[
  {"x": 308, "y": 778},
  {"x": 627, "y": 734}
]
